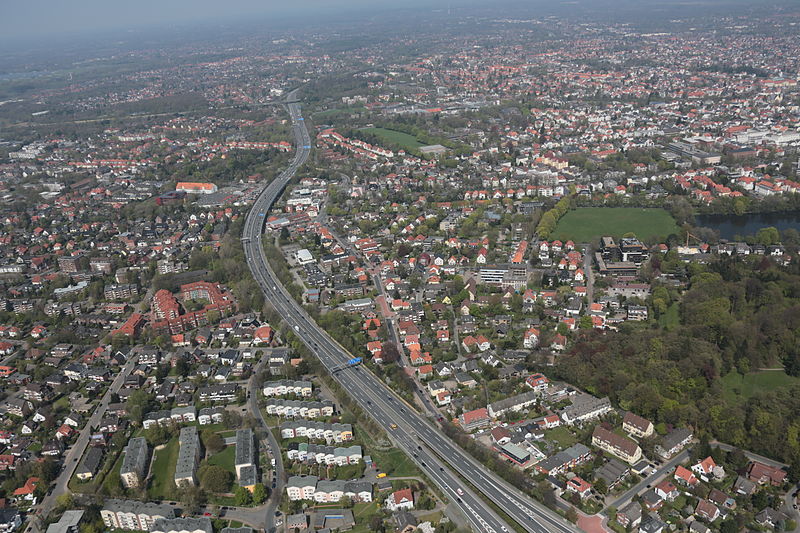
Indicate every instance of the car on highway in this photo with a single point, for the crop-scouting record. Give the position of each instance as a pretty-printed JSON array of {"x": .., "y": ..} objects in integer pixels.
[
  {"x": 459, "y": 491},
  {"x": 393, "y": 425}
]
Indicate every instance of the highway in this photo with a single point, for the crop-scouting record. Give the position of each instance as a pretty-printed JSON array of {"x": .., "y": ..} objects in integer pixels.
[{"x": 433, "y": 452}]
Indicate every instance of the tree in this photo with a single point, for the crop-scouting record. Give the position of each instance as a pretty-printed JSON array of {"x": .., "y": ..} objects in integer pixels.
[
  {"x": 600, "y": 485},
  {"x": 768, "y": 236},
  {"x": 212, "y": 441},
  {"x": 376, "y": 523},
  {"x": 65, "y": 501},
  {"x": 215, "y": 479},
  {"x": 389, "y": 352},
  {"x": 138, "y": 404},
  {"x": 231, "y": 419},
  {"x": 259, "y": 494},
  {"x": 572, "y": 515},
  {"x": 46, "y": 470},
  {"x": 242, "y": 496}
]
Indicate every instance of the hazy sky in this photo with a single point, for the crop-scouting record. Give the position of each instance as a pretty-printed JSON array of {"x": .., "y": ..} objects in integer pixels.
[
  {"x": 36, "y": 20},
  {"x": 23, "y": 19}
]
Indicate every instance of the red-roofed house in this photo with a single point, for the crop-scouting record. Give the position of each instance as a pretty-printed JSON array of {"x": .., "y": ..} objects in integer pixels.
[
  {"x": 531, "y": 339},
  {"x": 476, "y": 419},
  {"x": 537, "y": 382},
  {"x": 7, "y": 462},
  {"x": 579, "y": 486},
  {"x": 263, "y": 334},
  {"x": 704, "y": 468},
  {"x": 666, "y": 490},
  {"x": 685, "y": 476},
  {"x": 26, "y": 491},
  {"x": 64, "y": 432},
  {"x": 707, "y": 510},
  {"x": 401, "y": 499}
]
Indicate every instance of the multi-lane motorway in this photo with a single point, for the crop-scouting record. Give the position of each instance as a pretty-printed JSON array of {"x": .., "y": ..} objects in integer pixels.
[{"x": 430, "y": 449}]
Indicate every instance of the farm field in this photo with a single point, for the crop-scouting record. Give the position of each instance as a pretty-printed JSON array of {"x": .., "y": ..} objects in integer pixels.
[
  {"x": 409, "y": 142},
  {"x": 587, "y": 223}
]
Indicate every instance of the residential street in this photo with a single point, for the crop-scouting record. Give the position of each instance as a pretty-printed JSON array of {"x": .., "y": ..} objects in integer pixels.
[
  {"x": 74, "y": 454},
  {"x": 650, "y": 480},
  {"x": 267, "y": 514}
]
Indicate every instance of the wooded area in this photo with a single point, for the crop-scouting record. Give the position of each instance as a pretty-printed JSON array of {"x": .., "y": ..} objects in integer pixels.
[{"x": 738, "y": 315}]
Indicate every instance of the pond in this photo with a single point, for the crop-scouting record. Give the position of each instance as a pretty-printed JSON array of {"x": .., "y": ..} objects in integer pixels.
[{"x": 729, "y": 226}]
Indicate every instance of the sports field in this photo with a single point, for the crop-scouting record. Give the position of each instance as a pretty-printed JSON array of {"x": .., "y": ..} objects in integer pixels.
[
  {"x": 586, "y": 223},
  {"x": 409, "y": 142}
]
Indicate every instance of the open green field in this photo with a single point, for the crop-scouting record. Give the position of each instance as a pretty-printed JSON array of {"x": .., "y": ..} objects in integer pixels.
[
  {"x": 587, "y": 223},
  {"x": 163, "y": 471},
  {"x": 225, "y": 459},
  {"x": 409, "y": 142},
  {"x": 738, "y": 388}
]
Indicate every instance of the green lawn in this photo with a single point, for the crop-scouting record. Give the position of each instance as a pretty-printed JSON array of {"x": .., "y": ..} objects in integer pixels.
[
  {"x": 738, "y": 388},
  {"x": 225, "y": 459},
  {"x": 362, "y": 513},
  {"x": 409, "y": 142},
  {"x": 163, "y": 471},
  {"x": 560, "y": 435},
  {"x": 395, "y": 463},
  {"x": 586, "y": 223}
]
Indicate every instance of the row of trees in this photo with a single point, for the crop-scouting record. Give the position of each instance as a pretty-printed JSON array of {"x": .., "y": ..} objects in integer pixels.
[{"x": 547, "y": 224}]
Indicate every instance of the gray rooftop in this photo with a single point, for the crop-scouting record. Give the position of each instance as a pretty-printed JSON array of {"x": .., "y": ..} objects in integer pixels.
[
  {"x": 145, "y": 508},
  {"x": 67, "y": 523},
  {"x": 163, "y": 525},
  {"x": 135, "y": 456},
  {"x": 244, "y": 447},
  {"x": 187, "y": 455}
]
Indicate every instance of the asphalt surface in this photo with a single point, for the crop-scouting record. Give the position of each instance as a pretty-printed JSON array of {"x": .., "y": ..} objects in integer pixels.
[
  {"x": 73, "y": 456},
  {"x": 252, "y": 403},
  {"x": 650, "y": 480},
  {"x": 432, "y": 451}
]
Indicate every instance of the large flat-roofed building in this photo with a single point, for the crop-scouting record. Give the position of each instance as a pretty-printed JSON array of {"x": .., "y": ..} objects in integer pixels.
[
  {"x": 195, "y": 187},
  {"x": 507, "y": 276},
  {"x": 182, "y": 525},
  {"x": 244, "y": 463},
  {"x": 130, "y": 514},
  {"x": 188, "y": 457},
  {"x": 68, "y": 523},
  {"x": 134, "y": 463}
]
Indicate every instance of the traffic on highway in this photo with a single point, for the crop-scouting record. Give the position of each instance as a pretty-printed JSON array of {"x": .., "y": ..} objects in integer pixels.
[{"x": 431, "y": 450}]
